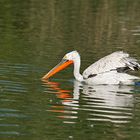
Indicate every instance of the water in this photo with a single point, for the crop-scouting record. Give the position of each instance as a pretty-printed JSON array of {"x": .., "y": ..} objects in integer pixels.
[{"x": 34, "y": 37}]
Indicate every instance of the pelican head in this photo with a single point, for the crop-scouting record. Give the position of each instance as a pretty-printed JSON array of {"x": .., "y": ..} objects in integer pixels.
[
  {"x": 68, "y": 59},
  {"x": 71, "y": 56}
]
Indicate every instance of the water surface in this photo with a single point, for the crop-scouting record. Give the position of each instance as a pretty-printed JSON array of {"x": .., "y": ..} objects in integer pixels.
[{"x": 34, "y": 37}]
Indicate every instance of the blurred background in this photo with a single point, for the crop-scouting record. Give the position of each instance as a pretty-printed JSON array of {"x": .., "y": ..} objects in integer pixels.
[{"x": 34, "y": 36}]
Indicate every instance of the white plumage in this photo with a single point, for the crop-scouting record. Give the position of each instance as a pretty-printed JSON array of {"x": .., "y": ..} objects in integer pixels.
[
  {"x": 111, "y": 62},
  {"x": 110, "y": 69}
]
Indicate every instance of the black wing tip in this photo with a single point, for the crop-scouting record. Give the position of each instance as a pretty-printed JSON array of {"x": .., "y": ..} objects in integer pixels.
[{"x": 137, "y": 67}]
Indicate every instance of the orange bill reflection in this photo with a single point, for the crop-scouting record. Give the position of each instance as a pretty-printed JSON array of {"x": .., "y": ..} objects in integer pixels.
[
  {"x": 64, "y": 109},
  {"x": 61, "y": 93}
]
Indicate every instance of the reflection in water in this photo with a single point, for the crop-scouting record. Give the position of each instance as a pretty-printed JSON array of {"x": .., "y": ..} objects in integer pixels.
[
  {"x": 111, "y": 103},
  {"x": 34, "y": 34}
]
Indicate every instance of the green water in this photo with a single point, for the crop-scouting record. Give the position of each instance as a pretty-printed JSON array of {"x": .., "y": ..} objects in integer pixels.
[{"x": 34, "y": 36}]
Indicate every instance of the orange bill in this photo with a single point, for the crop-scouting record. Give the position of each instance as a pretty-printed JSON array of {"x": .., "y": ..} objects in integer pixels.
[{"x": 62, "y": 65}]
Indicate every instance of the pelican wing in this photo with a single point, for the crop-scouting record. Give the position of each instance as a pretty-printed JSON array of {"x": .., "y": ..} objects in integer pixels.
[{"x": 118, "y": 61}]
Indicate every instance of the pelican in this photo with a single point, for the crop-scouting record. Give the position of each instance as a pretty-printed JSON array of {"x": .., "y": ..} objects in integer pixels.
[{"x": 110, "y": 69}]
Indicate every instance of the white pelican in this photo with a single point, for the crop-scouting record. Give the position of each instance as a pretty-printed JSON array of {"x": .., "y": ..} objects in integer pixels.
[{"x": 108, "y": 70}]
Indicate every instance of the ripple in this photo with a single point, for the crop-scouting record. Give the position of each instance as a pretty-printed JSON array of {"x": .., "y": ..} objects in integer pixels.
[
  {"x": 136, "y": 31},
  {"x": 11, "y": 133},
  {"x": 7, "y": 125},
  {"x": 13, "y": 92},
  {"x": 100, "y": 103},
  {"x": 12, "y": 86}
]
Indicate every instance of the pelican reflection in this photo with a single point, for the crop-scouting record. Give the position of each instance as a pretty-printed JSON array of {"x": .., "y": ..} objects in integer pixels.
[{"x": 112, "y": 103}]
